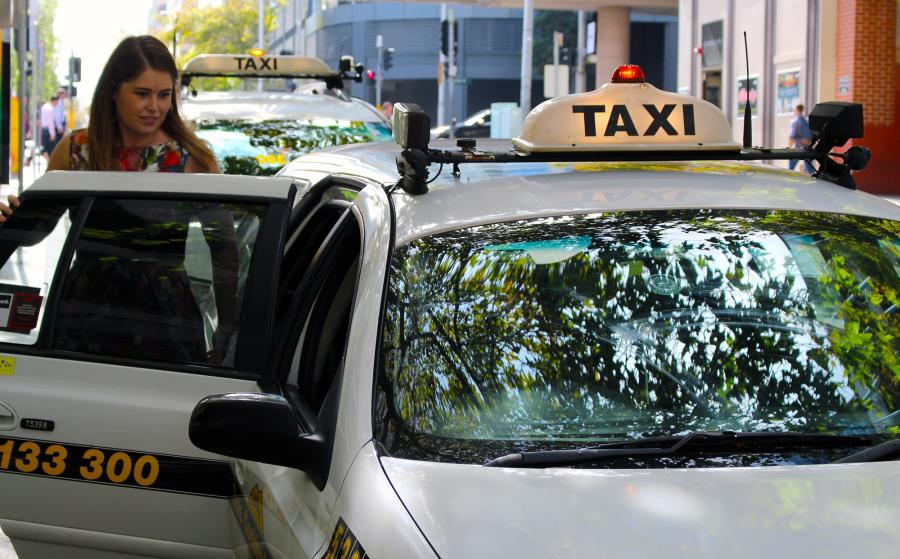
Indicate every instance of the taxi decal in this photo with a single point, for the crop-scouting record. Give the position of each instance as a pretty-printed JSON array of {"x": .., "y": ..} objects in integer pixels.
[
  {"x": 249, "y": 513},
  {"x": 343, "y": 544},
  {"x": 20, "y": 306},
  {"x": 7, "y": 365},
  {"x": 111, "y": 466},
  {"x": 620, "y": 119},
  {"x": 250, "y": 63}
]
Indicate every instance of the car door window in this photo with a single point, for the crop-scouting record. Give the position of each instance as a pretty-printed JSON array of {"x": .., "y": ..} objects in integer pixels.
[
  {"x": 321, "y": 319},
  {"x": 158, "y": 280},
  {"x": 31, "y": 243}
]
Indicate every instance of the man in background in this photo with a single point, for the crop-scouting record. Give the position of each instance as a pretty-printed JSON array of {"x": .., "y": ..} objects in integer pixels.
[
  {"x": 49, "y": 137},
  {"x": 800, "y": 138},
  {"x": 59, "y": 113}
]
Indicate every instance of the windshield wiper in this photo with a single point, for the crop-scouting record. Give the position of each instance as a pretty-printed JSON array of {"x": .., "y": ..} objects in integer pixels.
[
  {"x": 889, "y": 450},
  {"x": 693, "y": 442}
]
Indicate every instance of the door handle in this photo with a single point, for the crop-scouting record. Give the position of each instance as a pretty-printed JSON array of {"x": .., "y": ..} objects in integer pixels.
[{"x": 7, "y": 417}]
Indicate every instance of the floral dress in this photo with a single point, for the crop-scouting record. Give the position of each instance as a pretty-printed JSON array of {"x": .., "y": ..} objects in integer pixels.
[{"x": 167, "y": 157}]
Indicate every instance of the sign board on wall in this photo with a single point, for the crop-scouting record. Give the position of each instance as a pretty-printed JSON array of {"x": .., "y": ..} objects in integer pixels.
[
  {"x": 787, "y": 95},
  {"x": 744, "y": 92},
  {"x": 590, "y": 43},
  {"x": 843, "y": 85},
  {"x": 711, "y": 35}
]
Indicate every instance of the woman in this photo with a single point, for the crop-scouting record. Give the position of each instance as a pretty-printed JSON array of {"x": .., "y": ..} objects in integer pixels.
[
  {"x": 134, "y": 120},
  {"x": 135, "y": 126}
]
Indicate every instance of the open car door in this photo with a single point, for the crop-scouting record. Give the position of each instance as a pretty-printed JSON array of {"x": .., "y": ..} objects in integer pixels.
[{"x": 125, "y": 299}]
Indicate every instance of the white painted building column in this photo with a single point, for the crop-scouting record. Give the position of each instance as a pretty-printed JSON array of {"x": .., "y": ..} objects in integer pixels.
[{"x": 613, "y": 38}]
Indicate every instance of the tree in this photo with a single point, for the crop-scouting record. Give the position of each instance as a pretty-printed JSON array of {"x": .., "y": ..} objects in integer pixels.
[
  {"x": 201, "y": 28},
  {"x": 49, "y": 79},
  {"x": 653, "y": 324},
  {"x": 545, "y": 23}
]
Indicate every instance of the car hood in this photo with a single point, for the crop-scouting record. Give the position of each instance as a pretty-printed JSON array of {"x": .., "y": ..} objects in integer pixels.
[{"x": 835, "y": 510}]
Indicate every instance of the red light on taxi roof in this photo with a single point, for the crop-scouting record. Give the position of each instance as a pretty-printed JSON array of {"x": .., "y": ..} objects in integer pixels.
[{"x": 628, "y": 73}]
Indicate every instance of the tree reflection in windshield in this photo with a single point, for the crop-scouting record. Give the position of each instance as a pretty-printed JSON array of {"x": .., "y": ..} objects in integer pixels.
[
  {"x": 246, "y": 147},
  {"x": 622, "y": 325}
]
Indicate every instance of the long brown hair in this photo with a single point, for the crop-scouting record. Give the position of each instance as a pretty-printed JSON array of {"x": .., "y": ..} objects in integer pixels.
[{"x": 133, "y": 56}]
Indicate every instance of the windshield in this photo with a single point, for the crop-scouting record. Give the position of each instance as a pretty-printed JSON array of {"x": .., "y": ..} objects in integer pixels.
[
  {"x": 595, "y": 328},
  {"x": 245, "y": 147}
]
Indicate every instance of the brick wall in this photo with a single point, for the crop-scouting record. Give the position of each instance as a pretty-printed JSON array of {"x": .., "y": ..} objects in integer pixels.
[{"x": 866, "y": 57}]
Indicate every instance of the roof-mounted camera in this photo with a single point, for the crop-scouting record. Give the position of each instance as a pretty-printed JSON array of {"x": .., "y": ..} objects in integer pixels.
[
  {"x": 833, "y": 124},
  {"x": 411, "y": 131}
]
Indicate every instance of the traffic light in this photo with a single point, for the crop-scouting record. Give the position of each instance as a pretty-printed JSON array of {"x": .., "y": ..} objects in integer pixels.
[
  {"x": 370, "y": 75},
  {"x": 388, "y": 60},
  {"x": 75, "y": 68},
  {"x": 445, "y": 37},
  {"x": 565, "y": 55}
]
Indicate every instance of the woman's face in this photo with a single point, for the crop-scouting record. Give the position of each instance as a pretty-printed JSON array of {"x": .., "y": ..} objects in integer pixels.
[{"x": 142, "y": 104}]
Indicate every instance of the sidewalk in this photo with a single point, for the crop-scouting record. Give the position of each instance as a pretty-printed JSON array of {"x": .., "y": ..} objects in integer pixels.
[{"x": 30, "y": 173}]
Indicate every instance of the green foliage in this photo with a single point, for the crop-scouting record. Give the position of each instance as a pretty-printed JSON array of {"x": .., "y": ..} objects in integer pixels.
[
  {"x": 246, "y": 147},
  {"x": 49, "y": 79},
  {"x": 545, "y": 23},
  {"x": 671, "y": 321},
  {"x": 215, "y": 28}
]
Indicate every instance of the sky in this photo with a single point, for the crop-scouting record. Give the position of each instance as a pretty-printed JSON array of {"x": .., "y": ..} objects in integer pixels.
[{"x": 92, "y": 29}]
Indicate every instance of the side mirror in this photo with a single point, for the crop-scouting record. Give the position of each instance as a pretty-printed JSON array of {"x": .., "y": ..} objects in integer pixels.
[{"x": 258, "y": 427}]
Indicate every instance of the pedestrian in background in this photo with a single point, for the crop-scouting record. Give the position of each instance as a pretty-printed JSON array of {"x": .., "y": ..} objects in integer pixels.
[
  {"x": 49, "y": 136},
  {"x": 387, "y": 109},
  {"x": 800, "y": 137},
  {"x": 59, "y": 113}
]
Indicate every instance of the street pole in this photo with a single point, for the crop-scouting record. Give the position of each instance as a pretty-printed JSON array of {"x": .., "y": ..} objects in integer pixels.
[
  {"x": 261, "y": 14},
  {"x": 36, "y": 64},
  {"x": 442, "y": 77},
  {"x": 21, "y": 14},
  {"x": 579, "y": 64},
  {"x": 70, "y": 121},
  {"x": 527, "y": 44},
  {"x": 557, "y": 41},
  {"x": 451, "y": 70},
  {"x": 379, "y": 67}
]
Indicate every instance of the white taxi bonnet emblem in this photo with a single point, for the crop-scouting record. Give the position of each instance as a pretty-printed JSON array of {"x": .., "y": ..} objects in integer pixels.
[{"x": 625, "y": 116}]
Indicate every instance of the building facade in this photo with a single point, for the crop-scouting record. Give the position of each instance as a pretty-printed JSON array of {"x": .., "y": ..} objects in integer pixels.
[
  {"x": 489, "y": 47},
  {"x": 799, "y": 52}
]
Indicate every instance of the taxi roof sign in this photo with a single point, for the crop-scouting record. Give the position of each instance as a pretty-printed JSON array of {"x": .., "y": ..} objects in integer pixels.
[
  {"x": 247, "y": 65},
  {"x": 625, "y": 116}
]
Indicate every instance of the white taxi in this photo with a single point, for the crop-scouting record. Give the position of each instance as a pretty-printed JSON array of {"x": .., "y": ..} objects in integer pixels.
[
  {"x": 258, "y": 132},
  {"x": 642, "y": 346}
]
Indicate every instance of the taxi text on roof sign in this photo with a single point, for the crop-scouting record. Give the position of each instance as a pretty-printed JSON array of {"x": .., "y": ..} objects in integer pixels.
[
  {"x": 245, "y": 64},
  {"x": 625, "y": 116}
]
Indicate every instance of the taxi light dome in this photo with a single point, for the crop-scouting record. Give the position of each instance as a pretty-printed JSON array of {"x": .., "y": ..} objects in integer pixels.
[
  {"x": 628, "y": 73},
  {"x": 625, "y": 117},
  {"x": 250, "y": 65}
]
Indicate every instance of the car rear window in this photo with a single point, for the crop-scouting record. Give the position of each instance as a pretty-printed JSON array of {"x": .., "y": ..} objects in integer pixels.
[{"x": 248, "y": 147}]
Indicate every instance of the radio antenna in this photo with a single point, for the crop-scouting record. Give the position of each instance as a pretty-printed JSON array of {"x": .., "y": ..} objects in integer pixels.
[{"x": 748, "y": 126}]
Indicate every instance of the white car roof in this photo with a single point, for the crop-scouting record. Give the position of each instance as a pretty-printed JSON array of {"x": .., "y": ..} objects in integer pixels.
[
  {"x": 163, "y": 183},
  {"x": 241, "y": 105},
  {"x": 494, "y": 192}
]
